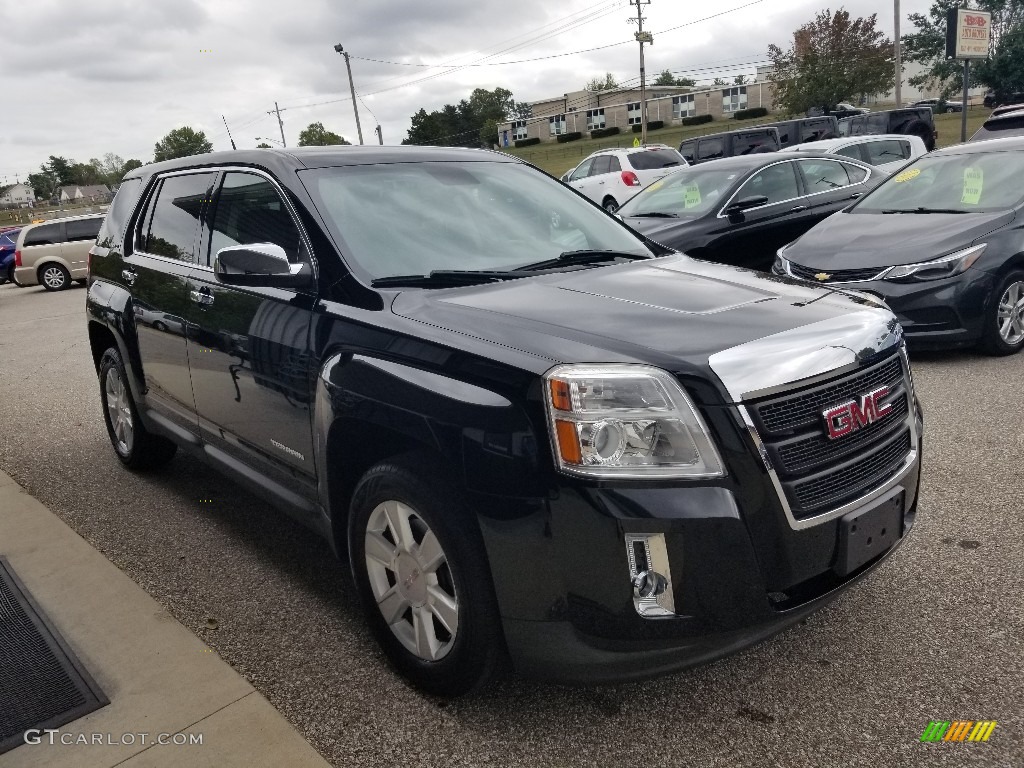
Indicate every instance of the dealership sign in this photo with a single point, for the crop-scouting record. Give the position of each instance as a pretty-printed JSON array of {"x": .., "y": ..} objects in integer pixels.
[{"x": 968, "y": 33}]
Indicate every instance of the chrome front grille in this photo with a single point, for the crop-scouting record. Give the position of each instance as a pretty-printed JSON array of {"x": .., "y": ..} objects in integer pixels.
[{"x": 818, "y": 474}]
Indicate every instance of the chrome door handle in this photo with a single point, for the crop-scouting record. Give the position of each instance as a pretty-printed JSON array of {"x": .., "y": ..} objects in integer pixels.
[
  {"x": 201, "y": 298},
  {"x": 798, "y": 208},
  {"x": 129, "y": 276},
  {"x": 856, "y": 195}
]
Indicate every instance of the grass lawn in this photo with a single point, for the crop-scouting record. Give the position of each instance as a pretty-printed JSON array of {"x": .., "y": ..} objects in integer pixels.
[{"x": 556, "y": 159}]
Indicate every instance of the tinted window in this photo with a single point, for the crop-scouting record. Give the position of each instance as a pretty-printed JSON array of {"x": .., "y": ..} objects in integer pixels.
[
  {"x": 887, "y": 151},
  {"x": 652, "y": 159},
  {"x": 687, "y": 150},
  {"x": 602, "y": 164},
  {"x": 44, "y": 234},
  {"x": 750, "y": 143},
  {"x": 1003, "y": 126},
  {"x": 776, "y": 182},
  {"x": 613, "y": 164},
  {"x": 83, "y": 229},
  {"x": 822, "y": 175},
  {"x": 117, "y": 217},
  {"x": 856, "y": 173},
  {"x": 249, "y": 211},
  {"x": 175, "y": 216},
  {"x": 851, "y": 151},
  {"x": 711, "y": 148}
]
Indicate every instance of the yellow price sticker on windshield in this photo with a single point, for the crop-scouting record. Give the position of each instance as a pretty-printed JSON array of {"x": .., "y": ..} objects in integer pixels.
[
  {"x": 691, "y": 196},
  {"x": 907, "y": 175},
  {"x": 974, "y": 182}
]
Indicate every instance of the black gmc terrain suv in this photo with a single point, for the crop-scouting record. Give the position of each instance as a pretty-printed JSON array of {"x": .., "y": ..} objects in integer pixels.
[{"x": 533, "y": 433}]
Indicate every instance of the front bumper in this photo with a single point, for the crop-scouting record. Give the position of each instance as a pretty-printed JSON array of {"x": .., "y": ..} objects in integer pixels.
[
  {"x": 740, "y": 573},
  {"x": 949, "y": 312}
]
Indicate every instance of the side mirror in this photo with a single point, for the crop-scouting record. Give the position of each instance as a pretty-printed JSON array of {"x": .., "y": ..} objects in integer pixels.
[
  {"x": 261, "y": 265},
  {"x": 737, "y": 208}
]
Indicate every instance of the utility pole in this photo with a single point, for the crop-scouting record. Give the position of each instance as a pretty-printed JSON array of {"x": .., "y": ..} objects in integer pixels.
[
  {"x": 352, "y": 88},
  {"x": 642, "y": 38},
  {"x": 896, "y": 47},
  {"x": 380, "y": 136},
  {"x": 277, "y": 111}
]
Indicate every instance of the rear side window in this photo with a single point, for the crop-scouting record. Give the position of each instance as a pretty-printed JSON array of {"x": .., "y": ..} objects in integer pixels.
[
  {"x": 687, "y": 150},
  {"x": 602, "y": 164},
  {"x": 1003, "y": 126},
  {"x": 112, "y": 231},
  {"x": 44, "y": 234},
  {"x": 249, "y": 211},
  {"x": 823, "y": 175},
  {"x": 851, "y": 151},
  {"x": 83, "y": 229},
  {"x": 710, "y": 149},
  {"x": 652, "y": 159},
  {"x": 855, "y": 172},
  {"x": 887, "y": 151},
  {"x": 173, "y": 218},
  {"x": 754, "y": 142}
]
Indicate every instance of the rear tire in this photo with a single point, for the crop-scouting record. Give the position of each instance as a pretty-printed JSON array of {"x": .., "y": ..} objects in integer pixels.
[
  {"x": 1003, "y": 333},
  {"x": 422, "y": 576},
  {"x": 54, "y": 277},
  {"x": 135, "y": 446}
]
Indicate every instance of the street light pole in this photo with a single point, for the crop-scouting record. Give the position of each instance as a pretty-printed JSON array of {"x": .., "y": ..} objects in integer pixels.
[
  {"x": 352, "y": 87},
  {"x": 896, "y": 49},
  {"x": 642, "y": 38}
]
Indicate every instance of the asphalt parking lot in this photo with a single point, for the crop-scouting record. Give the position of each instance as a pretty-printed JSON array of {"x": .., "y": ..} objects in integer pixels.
[{"x": 936, "y": 633}]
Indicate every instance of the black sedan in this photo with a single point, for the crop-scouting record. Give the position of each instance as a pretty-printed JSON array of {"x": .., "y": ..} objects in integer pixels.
[
  {"x": 941, "y": 241},
  {"x": 741, "y": 210}
]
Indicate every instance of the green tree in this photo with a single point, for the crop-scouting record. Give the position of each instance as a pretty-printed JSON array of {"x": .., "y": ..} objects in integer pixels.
[
  {"x": 470, "y": 123},
  {"x": 739, "y": 80},
  {"x": 130, "y": 165},
  {"x": 718, "y": 81},
  {"x": 315, "y": 135},
  {"x": 181, "y": 142},
  {"x": 832, "y": 58},
  {"x": 597, "y": 84},
  {"x": 665, "y": 78},
  {"x": 44, "y": 183},
  {"x": 927, "y": 46},
  {"x": 263, "y": 145}
]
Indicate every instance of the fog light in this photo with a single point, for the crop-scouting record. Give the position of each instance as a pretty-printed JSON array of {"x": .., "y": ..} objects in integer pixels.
[{"x": 649, "y": 574}]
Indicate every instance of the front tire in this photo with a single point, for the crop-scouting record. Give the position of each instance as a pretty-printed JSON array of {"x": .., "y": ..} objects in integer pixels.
[
  {"x": 54, "y": 277},
  {"x": 1004, "y": 317},
  {"x": 422, "y": 577},
  {"x": 135, "y": 446}
]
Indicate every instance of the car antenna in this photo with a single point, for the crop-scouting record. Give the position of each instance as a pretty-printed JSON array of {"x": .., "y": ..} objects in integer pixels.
[{"x": 229, "y": 131}]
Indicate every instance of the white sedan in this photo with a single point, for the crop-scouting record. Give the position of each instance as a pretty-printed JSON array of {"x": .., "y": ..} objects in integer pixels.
[{"x": 888, "y": 151}]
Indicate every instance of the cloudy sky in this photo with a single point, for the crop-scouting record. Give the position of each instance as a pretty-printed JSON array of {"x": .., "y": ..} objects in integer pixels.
[{"x": 81, "y": 79}]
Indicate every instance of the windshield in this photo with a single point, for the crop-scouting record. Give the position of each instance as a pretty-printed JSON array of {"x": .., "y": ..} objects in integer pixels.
[
  {"x": 686, "y": 194},
  {"x": 981, "y": 181},
  {"x": 415, "y": 218}
]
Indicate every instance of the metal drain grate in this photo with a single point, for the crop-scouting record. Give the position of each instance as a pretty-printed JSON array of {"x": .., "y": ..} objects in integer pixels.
[{"x": 42, "y": 684}]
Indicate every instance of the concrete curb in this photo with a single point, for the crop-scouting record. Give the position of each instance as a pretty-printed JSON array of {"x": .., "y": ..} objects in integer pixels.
[{"x": 160, "y": 678}]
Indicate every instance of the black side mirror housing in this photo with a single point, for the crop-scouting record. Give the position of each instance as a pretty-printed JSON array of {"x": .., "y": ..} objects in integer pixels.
[
  {"x": 736, "y": 209},
  {"x": 260, "y": 265}
]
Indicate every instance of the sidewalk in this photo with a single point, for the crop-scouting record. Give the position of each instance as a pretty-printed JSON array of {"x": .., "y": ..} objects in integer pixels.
[{"x": 159, "y": 677}]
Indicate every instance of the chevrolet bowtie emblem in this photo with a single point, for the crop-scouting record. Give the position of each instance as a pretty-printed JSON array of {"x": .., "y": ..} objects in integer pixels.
[{"x": 822, "y": 276}]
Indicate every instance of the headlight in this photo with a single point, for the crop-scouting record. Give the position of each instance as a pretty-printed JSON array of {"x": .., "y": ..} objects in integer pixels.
[
  {"x": 947, "y": 266},
  {"x": 629, "y": 421}
]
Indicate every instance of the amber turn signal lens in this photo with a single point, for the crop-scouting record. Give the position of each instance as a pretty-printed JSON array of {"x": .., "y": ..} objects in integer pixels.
[
  {"x": 560, "y": 398},
  {"x": 568, "y": 442}
]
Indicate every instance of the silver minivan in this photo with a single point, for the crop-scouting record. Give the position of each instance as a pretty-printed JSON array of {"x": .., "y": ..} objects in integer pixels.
[{"x": 54, "y": 253}]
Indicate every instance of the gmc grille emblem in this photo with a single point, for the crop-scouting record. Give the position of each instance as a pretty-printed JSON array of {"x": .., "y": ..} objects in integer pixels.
[{"x": 849, "y": 417}]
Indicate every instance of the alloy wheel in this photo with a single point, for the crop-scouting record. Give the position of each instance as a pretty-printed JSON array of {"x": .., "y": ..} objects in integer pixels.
[
  {"x": 1010, "y": 314},
  {"x": 53, "y": 278},
  {"x": 119, "y": 411},
  {"x": 411, "y": 581}
]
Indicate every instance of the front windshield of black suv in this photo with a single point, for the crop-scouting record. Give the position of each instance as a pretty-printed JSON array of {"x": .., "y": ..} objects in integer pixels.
[
  {"x": 957, "y": 183},
  {"x": 416, "y": 218}
]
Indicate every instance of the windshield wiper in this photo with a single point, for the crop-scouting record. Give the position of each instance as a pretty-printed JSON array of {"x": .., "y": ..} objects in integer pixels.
[
  {"x": 440, "y": 278},
  {"x": 922, "y": 210},
  {"x": 583, "y": 256},
  {"x": 655, "y": 215}
]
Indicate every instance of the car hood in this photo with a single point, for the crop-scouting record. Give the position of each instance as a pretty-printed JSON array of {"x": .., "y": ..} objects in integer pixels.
[
  {"x": 862, "y": 240},
  {"x": 673, "y": 312}
]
